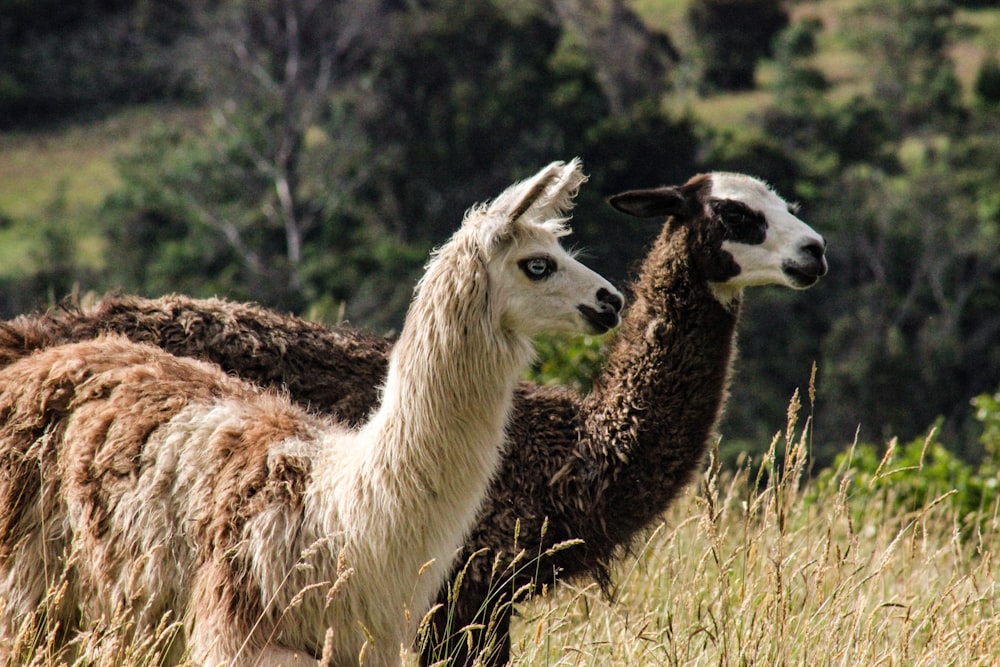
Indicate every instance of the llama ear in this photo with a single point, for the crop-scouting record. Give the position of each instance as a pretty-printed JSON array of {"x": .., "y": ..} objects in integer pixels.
[
  {"x": 666, "y": 201},
  {"x": 546, "y": 196},
  {"x": 550, "y": 192}
]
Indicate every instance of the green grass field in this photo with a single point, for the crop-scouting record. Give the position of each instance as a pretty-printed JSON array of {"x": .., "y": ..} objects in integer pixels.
[{"x": 54, "y": 181}]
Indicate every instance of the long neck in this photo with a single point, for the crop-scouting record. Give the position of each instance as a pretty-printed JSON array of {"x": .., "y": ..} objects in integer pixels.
[
  {"x": 434, "y": 441},
  {"x": 654, "y": 409}
]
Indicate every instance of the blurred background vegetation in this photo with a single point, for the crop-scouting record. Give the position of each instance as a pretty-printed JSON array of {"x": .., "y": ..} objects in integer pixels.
[{"x": 307, "y": 154}]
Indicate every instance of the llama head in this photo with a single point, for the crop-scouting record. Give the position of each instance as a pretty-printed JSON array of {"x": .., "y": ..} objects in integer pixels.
[
  {"x": 741, "y": 232},
  {"x": 537, "y": 286}
]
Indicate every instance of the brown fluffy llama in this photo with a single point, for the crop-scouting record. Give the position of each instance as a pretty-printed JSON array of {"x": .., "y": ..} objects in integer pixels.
[
  {"x": 599, "y": 468},
  {"x": 164, "y": 485}
]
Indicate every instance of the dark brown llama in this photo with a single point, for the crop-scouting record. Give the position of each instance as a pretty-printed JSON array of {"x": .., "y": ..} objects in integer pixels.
[
  {"x": 599, "y": 468},
  {"x": 337, "y": 370}
]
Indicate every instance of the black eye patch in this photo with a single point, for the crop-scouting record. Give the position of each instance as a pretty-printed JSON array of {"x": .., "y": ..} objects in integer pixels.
[{"x": 740, "y": 223}]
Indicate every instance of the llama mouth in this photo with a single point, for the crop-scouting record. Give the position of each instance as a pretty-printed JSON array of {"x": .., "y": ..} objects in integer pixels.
[
  {"x": 600, "y": 320},
  {"x": 805, "y": 275}
]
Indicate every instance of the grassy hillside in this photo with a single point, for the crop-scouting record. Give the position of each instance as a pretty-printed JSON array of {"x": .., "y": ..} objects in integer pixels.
[
  {"x": 977, "y": 35},
  {"x": 53, "y": 182}
]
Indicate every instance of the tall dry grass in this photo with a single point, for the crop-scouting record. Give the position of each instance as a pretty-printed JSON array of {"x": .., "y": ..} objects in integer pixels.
[
  {"x": 752, "y": 567},
  {"x": 758, "y": 568}
]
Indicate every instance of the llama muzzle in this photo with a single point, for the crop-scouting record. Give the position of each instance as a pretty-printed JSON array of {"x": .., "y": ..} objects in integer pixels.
[{"x": 607, "y": 315}]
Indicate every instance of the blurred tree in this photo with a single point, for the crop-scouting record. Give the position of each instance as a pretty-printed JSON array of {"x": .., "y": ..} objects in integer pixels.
[
  {"x": 907, "y": 42},
  {"x": 167, "y": 223},
  {"x": 63, "y": 58},
  {"x": 911, "y": 305},
  {"x": 348, "y": 139},
  {"x": 901, "y": 328},
  {"x": 823, "y": 135},
  {"x": 240, "y": 197},
  {"x": 904, "y": 327},
  {"x": 632, "y": 62},
  {"x": 733, "y": 36},
  {"x": 450, "y": 131},
  {"x": 798, "y": 84}
]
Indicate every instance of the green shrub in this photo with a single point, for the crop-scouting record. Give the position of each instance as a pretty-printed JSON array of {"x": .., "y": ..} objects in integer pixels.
[
  {"x": 914, "y": 476},
  {"x": 988, "y": 414},
  {"x": 573, "y": 362}
]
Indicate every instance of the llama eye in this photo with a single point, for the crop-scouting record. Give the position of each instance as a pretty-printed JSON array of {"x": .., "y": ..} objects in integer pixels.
[
  {"x": 537, "y": 268},
  {"x": 739, "y": 222},
  {"x": 732, "y": 215}
]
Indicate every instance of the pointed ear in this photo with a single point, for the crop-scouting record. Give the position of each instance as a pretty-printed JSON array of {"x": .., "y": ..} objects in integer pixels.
[
  {"x": 662, "y": 202},
  {"x": 544, "y": 199},
  {"x": 551, "y": 192}
]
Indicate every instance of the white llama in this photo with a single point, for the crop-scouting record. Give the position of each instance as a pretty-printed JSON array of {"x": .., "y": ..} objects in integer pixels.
[{"x": 157, "y": 484}]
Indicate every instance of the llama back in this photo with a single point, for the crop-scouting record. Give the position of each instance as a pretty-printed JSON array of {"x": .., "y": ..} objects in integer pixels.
[
  {"x": 106, "y": 426},
  {"x": 336, "y": 369}
]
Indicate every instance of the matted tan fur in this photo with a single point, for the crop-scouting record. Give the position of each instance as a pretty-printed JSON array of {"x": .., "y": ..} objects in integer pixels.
[{"x": 155, "y": 483}]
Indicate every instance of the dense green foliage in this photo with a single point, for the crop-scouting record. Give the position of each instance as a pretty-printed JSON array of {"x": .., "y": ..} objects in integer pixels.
[
  {"x": 59, "y": 59},
  {"x": 912, "y": 476},
  {"x": 337, "y": 142},
  {"x": 988, "y": 413},
  {"x": 734, "y": 35}
]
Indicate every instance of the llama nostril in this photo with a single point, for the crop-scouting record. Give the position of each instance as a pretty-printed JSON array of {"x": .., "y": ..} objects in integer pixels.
[
  {"x": 611, "y": 299},
  {"x": 815, "y": 248}
]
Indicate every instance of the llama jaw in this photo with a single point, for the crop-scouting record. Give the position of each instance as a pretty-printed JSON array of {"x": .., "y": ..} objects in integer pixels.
[
  {"x": 608, "y": 313},
  {"x": 599, "y": 321},
  {"x": 805, "y": 274}
]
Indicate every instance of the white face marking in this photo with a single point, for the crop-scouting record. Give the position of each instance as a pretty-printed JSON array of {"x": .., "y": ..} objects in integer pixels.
[
  {"x": 536, "y": 286},
  {"x": 565, "y": 297},
  {"x": 791, "y": 253}
]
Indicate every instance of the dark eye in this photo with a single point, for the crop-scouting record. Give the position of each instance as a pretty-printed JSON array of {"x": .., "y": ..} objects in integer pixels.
[
  {"x": 731, "y": 213},
  {"x": 739, "y": 222},
  {"x": 537, "y": 268}
]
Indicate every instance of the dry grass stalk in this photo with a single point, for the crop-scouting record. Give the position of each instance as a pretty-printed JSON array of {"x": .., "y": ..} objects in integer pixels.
[{"x": 752, "y": 567}]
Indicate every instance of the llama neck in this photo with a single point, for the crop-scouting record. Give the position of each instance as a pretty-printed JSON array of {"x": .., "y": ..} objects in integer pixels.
[
  {"x": 442, "y": 414},
  {"x": 654, "y": 409},
  {"x": 434, "y": 442}
]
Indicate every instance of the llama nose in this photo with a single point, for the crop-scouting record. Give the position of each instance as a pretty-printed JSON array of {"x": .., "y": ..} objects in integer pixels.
[
  {"x": 607, "y": 315},
  {"x": 610, "y": 298},
  {"x": 815, "y": 248}
]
